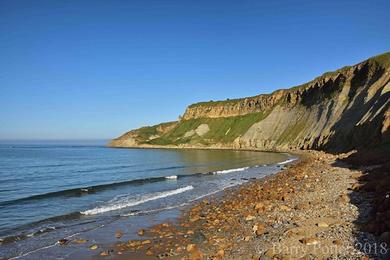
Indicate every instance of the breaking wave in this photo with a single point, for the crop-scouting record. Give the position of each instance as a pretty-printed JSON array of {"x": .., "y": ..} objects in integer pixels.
[{"x": 120, "y": 203}]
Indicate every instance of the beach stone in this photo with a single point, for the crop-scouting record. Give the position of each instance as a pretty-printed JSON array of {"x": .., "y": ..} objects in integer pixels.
[
  {"x": 196, "y": 255},
  {"x": 250, "y": 218},
  {"x": 337, "y": 242},
  {"x": 344, "y": 198},
  {"x": 284, "y": 208},
  {"x": 322, "y": 224},
  {"x": 356, "y": 186},
  {"x": 302, "y": 206},
  {"x": 285, "y": 197},
  {"x": 94, "y": 247},
  {"x": 141, "y": 232},
  {"x": 149, "y": 252},
  {"x": 118, "y": 234},
  {"x": 309, "y": 241},
  {"x": 270, "y": 253},
  {"x": 146, "y": 242},
  {"x": 260, "y": 206},
  {"x": 195, "y": 218},
  {"x": 104, "y": 253},
  {"x": 190, "y": 247},
  {"x": 356, "y": 175},
  {"x": 63, "y": 241},
  {"x": 259, "y": 229},
  {"x": 221, "y": 253}
]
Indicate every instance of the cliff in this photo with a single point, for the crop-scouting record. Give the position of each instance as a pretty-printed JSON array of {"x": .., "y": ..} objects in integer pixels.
[{"x": 337, "y": 111}]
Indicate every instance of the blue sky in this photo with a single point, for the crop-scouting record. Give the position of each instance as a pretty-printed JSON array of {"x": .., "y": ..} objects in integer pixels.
[{"x": 94, "y": 69}]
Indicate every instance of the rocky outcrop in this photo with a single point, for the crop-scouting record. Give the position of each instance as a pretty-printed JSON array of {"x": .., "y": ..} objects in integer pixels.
[
  {"x": 234, "y": 107},
  {"x": 338, "y": 111}
]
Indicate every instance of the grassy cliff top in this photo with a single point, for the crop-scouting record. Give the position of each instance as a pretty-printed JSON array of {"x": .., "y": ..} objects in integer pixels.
[{"x": 382, "y": 60}]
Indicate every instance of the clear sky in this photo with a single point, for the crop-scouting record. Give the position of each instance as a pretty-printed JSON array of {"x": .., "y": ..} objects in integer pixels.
[{"x": 95, "y": 69}]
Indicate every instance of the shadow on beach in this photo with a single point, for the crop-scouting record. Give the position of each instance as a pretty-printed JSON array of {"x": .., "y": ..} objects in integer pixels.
[{"x": 371, "y": 195}]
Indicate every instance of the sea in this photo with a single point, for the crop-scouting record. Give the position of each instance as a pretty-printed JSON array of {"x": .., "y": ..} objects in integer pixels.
[{"x": 52, "y": 190}]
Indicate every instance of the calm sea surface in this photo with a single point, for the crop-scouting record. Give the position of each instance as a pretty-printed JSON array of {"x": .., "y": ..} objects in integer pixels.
[{"x": 54, "y": 190}]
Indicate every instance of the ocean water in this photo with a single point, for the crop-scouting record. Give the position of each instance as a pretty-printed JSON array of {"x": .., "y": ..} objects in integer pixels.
[{"x": 53, "y": 190}]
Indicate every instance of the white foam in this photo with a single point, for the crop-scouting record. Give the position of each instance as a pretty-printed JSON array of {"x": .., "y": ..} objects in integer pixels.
[
  {"x": 232, "y": 170},
  {"x": 117, "y": 204},
  {"x": 173, "y": 177},
  {"x": 179, "y": 205},
  {"x": 287, "y": 161}
]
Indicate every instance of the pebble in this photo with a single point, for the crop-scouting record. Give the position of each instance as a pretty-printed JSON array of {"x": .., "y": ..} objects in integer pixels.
[
  {"x": 337, "y": 242},
  {"x": 247, "y": 238},
  {"x": 221, "y": 253},
  {"x": 284, "y": 208},
  {"x": 322, "y": 224},
  {"x": 118, "y": 234},
  {"x": 344, "y": 198},
  {"x": 146, "y": 242},
  {"x": 63, "y": 241},
  {"x": 190, "y": 247},
  {"x": 94, "y": 247},
  {"x": 250, "y": 218},
  {"x": 259, "y": 229},
  {"x": 309, "y": 241}
]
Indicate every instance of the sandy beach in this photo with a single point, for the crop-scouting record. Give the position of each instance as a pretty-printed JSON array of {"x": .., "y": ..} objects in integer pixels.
[{"x": 314, "y": 209}]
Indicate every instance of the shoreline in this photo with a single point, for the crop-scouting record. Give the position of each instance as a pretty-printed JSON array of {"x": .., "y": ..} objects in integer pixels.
[
  {"x": 209, "y": 147},
  {"x": 81, "y": 241},
  {"x": 301, "y": 211}
]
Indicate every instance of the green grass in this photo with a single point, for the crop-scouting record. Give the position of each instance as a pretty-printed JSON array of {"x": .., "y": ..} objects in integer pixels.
[
  {"x": 220, "y": 102},
  {"x": 382, "y": 59},
  {"x": 144, "y": 133},
  {"x": 222, "y": 130}
]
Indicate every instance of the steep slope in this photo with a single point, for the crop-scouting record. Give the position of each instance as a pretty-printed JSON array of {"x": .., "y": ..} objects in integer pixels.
[{"x": 338, "y": 111}]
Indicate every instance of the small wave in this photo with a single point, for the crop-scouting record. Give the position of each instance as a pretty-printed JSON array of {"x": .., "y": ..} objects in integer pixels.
[
  {"x": 145, "y": 212},
  {"x": 232, "y": 170},
  {"x": 287, "y": 161},
  {"x": 22, "y": 255},
  {"x": 20, "y": 233},
  {"x": 126, "y": 202},
  {"x": 81, "y": 191}
]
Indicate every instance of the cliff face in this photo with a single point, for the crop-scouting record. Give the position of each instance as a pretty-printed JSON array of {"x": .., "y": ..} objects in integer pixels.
[{"x": 338, "y": 111}]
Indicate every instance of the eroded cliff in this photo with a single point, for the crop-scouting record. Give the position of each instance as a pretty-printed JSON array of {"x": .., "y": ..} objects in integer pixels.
[{"x": 338, "y": 111}]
